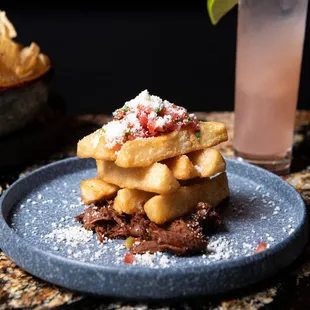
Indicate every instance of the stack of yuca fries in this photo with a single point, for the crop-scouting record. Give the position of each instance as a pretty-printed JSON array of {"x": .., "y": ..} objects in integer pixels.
[
  {"x": 164, "y": 176},
  {"x": 18, "y": 64}
]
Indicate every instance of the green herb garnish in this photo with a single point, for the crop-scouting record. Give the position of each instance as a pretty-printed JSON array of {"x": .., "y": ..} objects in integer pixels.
[
  {"x": 159, "y": 108},
  {"x": 127, "y": 132},
  {"x": 197, "y": 134},
  {"x": 124, "y": 108},
  {"x": 129, "y": 242},
  {"x": 119, "y": 113}
]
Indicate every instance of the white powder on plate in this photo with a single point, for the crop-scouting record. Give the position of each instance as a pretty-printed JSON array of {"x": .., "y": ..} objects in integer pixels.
[{"x": 73, "y": 236}]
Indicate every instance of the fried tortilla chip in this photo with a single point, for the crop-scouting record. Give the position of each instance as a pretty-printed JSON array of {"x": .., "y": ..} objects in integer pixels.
[
  {"x": 19, "y": 64},
  {"x": 7, "y": 29}
]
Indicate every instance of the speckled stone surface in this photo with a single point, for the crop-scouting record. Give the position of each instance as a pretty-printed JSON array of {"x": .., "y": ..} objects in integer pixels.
[{"x": 289, "y": 290}]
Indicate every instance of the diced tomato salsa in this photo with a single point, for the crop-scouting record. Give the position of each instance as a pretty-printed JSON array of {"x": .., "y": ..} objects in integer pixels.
[
  {"x": 261, "y": 247},
  {"x": 129, "y": 258}
]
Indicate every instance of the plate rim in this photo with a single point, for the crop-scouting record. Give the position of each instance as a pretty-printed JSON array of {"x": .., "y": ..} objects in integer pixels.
[{"x": 239, "y": 262}]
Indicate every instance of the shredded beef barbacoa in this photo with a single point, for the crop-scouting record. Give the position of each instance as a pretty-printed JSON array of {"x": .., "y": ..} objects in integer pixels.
[{"x": 183, "y": 236}]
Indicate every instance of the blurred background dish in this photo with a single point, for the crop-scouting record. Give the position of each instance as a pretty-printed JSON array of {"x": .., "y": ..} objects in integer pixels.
[
  {"x": 22, "y": 104},
  {"x": 31, "y": 114},
  {"x": 23, "y": 82}
]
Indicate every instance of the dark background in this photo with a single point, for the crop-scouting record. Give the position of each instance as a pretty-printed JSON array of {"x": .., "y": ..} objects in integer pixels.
[{"x": 105, "y": 54}]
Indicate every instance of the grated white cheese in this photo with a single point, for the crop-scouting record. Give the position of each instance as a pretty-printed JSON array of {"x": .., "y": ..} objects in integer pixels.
[
  {"x": 156, "y": 260},
  {"x": 152, "y": 115},
  {"x": 146, "y": 100},
  {"x": 115, "y": 131},
  {"x": 220, "y": 249},
  {"x": 73, "y": 235},
  {"x": 160, "y": 122}
]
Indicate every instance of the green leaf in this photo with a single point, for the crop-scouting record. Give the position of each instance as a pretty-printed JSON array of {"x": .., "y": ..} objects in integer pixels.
[
  {"x": 159, "y": 108},
  {"x": 129, "y": 242},
  {"x": 219, "y": 8},
  {"x": 197, "y": 134},
  {"x": 124, "y": 108}
]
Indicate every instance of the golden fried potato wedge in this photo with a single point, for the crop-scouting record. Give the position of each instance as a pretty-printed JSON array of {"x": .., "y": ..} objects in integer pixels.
[
  {"x": 130, "y": 201},
  {"x": 144, "y": 152},
  {"x": 93, "y": 145},
  {"x": 203, "y": 164},
  {"x": 94, "y": 189},
  {"x": 207, "y": 162},
  {"x": 156, "y": 178},
  {"x": 182, "y": 167},
  {"x": 165, "y": 208}
]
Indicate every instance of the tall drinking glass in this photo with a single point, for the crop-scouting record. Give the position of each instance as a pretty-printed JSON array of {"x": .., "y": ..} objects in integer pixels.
[{"x": 269, "y": 56}]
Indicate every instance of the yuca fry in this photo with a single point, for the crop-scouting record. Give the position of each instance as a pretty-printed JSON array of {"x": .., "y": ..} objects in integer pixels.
[
  {"x": 164, "y": 208},
  {"x": 203, "y": 164},
  {"x": 181, "y": 167},
  {"x": 156, "y": 178},
  {"x": 130, "y": 201},
  {"x": 144, "y": 152},
  {"x": 208, "y": 162},
  {"x": 93, "y": 145},
  {"x": 94, "y": 189}
]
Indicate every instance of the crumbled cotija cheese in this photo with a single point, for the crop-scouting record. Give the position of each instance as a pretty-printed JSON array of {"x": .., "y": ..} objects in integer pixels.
[
  {"x": 114, "y": 131},
  {"x": 73, "y": 235}
]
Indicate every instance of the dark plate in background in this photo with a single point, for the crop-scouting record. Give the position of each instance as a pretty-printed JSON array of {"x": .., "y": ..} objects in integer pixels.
[
  {"x": 33, "y": 122},
  {"x": 39, "y": 234}
]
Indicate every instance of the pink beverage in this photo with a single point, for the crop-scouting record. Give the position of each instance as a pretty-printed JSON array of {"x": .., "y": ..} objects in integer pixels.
[{"x": 269, "y": 56}]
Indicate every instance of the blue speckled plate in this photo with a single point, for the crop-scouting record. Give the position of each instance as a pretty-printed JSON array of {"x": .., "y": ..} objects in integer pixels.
[{"x": 38, "y": 233}]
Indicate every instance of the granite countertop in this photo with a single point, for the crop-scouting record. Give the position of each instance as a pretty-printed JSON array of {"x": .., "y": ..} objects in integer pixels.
[{"x": 288, "y": 290}]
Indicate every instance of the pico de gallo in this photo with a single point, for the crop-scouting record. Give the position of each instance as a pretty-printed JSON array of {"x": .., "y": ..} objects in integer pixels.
[{"x": 146, "y": 116}]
